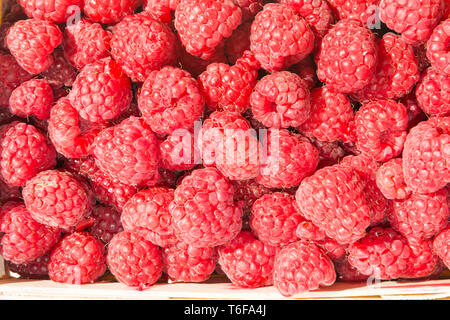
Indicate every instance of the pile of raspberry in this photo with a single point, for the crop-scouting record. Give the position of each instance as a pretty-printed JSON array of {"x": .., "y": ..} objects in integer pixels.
[{"x": 289, "y": 143}]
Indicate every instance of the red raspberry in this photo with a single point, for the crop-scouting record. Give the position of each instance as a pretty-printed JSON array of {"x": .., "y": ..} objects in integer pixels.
[
  {"x": 141, "y": 44},
  {"x": 433, "y": 93},
  {"x": 109, "y": 11},
  {"x": 330, "y": 153},
  {"x": 61, "y": 73},
  {"x": 362, "y": 10},
  {"x": 247, "y": 192},
  {"x": 86, "y": 42},
  {"x": 279, "y": 37},
  {"x": 149, "y": 210},
  {"x": 54, "y": 10},
  {"x": 170, "y": 99},
  {"x": 345, "y": 218},
  {"x": 415, "y": 20},
  {"x": 290, "y": 158},
  {"x": 397, "y": 71},
  {"x": 281, "y": 100},
  {"x": 178, "y": 152},
  {"x": 56, "y": 199},
  {"x": 25, "y": 240},
  {"x": 415, "y": 113},
  {"x": 382, "y": 253},
  {"x": 186, "y": 263},
  {"x": 84, "y": 167},
  {"x": 24, "y": 153},
  {"x": 306, "y": 230},
  {"x": 441, "y": 246},
  {"x": 423, "y": 261},
  {"x": 101, "y": 91},
  {"x": 238, "y": 43},
  {"x": 249, "y": 8},
  {"x": 33, "y": 97},
  {"x": 78, "y": 258},
  {"x": 203, "y": 211},
  {"x": 346, "y": 272},
  {"x": 295, "y": 264},
  {"x": 437, "y": 47},
  {"x": 134, "y": 260},
  {"x": 426, "y": 154},
  {"x": 331, "y": 112},
  {"x": 11, "y": 76},
  {"x": 106, "y": 223},
  {"x": 381, "y": 129},
  {"x": 347, "y": 58},
  {"x": 391, "y": 182},
  {"x": 161, "y": 9},
  {"x": 248, "y": 262},
  {"x": 32, "y": 42},
  {"x": 306, "y": 69},
  {"x": 203, "y": 24},
  {"x": 332, "y": 248},
  {"x": 37, "y": 269},
  {"x": 274, "y": 219},
  {"x": 128, "y": 152}
]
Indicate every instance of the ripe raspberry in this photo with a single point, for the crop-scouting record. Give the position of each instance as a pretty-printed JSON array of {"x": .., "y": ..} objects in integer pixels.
[
  {"x": 86, "y": 42},
  {"x": 170, "y": 99},
  {"x": 161, "y": 9},
  {"x": 433, "y": 93},
  {"x": 425, "y": 156},
  {"x": 32, "y": 42},
  {"x": 106, "y": 223},
  {"x": 249, "y": 8},
  {"x": 437, "y": 47},
  {"x": 391, "y": 182},
  {"x": 178, "y": 152},
  {"x": 306, "y": 69},
  {"x": 56, "y": 199},
  {"x": 306, "y": 230},
  {"x": 330, "y": 153},
  {"x": 134, "y": 260},
  {"x": 37, "y": 269},
  {"x": 415, "y": 20},
  {"x": 346, "y": 218},
  {"x": 382, "y": 253},
  {"x": 33, "y": 97},
  {"x": 347, "y": 57},
  {"x": 186, "y": 263},
  {"x": 397, "y": 71},
  {"x": 128, "y": 152},
  {"x": 109, "y": 11},
  {"x": 290, "y": 158},
  {"x": 203, "y": 211},
  {"x": 362, "y": 10},
  {"x": 247, "y": 192},
  {"x": 279, "y": 37},
  {"x": 25, "y": 240},
  {"x": 53, "y": 10},
  {"x": 11, "y": 76},
  {"x": 203, "y": 24},
  {"x": 441, "y": 246},
  {"x": 274, "y": 219},
  {"x": 238, "y": 43},
  {"x": 346, "y": 272},
  {"x": 415, "y": 113},
  {"x": 423, "y": 261},
  {"x": 78, "y": 258},
  {"x": 281, "y": 100},
  {"x": 84, "y": 167},
  {"x": 24, "y": 153},
  {"x": 295, "y": 264},
  {"x": 61, "y": 73},
  {"x": 101, "y": 91}
]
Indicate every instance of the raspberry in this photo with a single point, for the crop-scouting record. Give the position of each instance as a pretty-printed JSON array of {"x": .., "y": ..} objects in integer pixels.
[
  {"x": 347, "y": 272},
  {"x": 54, "y": 10},
  {"x": 306, "y": 69},
  {"x": 84, "y": 167},
  {"x": 33, "y": 97},
  {"x": 306, "y": 230},
  {"x": 61, "y": 73},
  {"x": 106, "y": 223},
  {"x": 421, "y": 215},
  {"x": 441, "y": 246},
  {"x": 149, "y": 210},
  {"x": 161, "y": 9},
  {"x": 78, "y": 258},
  {"x": 295, "y": 264},
  {"x": 415, "y": 20},
  {"x": 141, "y": 44},
  {"x": 24, "y": 153},
  {"x": 134, "y": 260},
  {"x": 362, "y": 10},
  {"x": 415, "y": 113},
  {"x": 229, "y": 87},
  {"x": 32, "y": 42},
  {"x": 170, "y": 99},
  {"x": 425, "y": 156},
  {"x": 37, "y": 269},
  {"x": 347, "y": 57},
  {"x": 238, "y": 42},
  {"x": 247, "y": 192},
  {"x": 433, "y": 93},
  {"x": 203, "y": 24},
  {"x": 347, "y": 216},
  {"x": 249, "y": 8},
  {"x": 274, "y": 219},
  {"x": 109, "y": 11},
  {"x": 101, "y": 91},
  {"x": 127, "y": 152},
  {"x": 382, "y": 253},
  {"x": 397, "y": 71},
  {"x": 186, "y": 263},
  {"x": 203, "y": 211},
  {"x": 423, "y": 262},
  {"x": 25, "y": 240},
  {"x": 56, "y": 199},
  {"x": 178, "y": 152},
  {"x": 390, "y": 180},
  {"x": 437, "y": 47},
  {"x": 381, "y": 129},
  {"x": 281, "y": 100},
  {"x": 290, "y": 158},
  {"x": 332, "y": 248},
  {"x": 86, "y": 42},
  {"x": 11, "y": 76},
  {"x": 330, "y": 153},
  {"x": 279, "y": 37}
]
